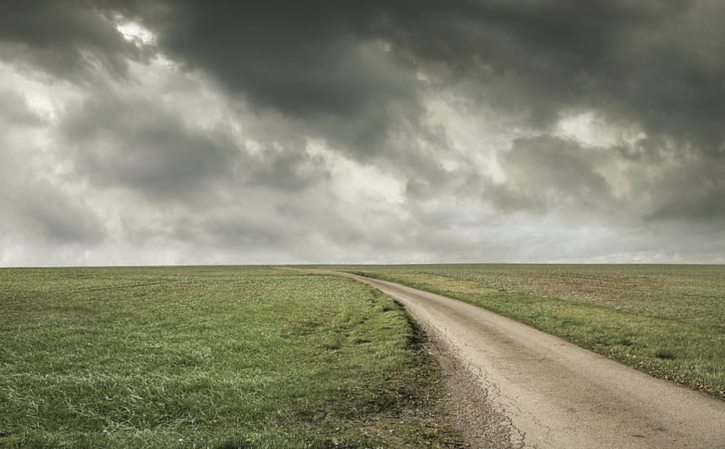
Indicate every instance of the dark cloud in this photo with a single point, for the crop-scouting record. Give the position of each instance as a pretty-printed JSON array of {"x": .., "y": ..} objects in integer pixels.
[
  {"x": 314, "y": 130},
  {"x": 300, "y": 58},
  {"x": 65, "y": 39},
  {"x": 655, "y": 63},
  {"x": 540, "y": 56},
  {"x": 325, "y": 66},
  {"x": 646, "y": 63}
]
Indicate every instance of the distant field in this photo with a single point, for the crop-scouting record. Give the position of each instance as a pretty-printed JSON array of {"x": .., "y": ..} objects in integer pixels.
[
  {"x": 666, "y": 320},
  {"x": 208, "y": 358}
]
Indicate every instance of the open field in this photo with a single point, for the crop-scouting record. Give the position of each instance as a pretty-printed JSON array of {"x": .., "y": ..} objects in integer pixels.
[
  {"x": 209, "y": 357},
  {"x": 666, "y": 320}
]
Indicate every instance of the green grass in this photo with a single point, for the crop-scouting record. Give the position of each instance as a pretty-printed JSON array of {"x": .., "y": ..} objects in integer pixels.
[
  {"x": 209, "y": 357},
  {"x": 666, "y": 320}
]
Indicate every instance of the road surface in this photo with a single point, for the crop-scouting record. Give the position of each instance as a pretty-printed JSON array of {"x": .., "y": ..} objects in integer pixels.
[{"x": 556, "y": 394}]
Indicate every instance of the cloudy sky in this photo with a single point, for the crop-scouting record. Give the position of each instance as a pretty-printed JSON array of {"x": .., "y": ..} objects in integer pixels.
[{"x": 188, "y": 132}]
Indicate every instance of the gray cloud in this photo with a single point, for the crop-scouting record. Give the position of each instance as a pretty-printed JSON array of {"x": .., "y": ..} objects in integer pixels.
[
  {"x": 351, "y": 131},
  {"x": 633, "y": 62},
  {"x": 139, "y": 144},
  {"x": 300, "y": 59},
  {"x": 31, "y": 205},
  {"x": 546, "y": 173},
  {"x": 49, "y": 215},
  {"x": 693, "y": 192},
  {"x": 655, "y": 62},
  {"x": 64, "y": 39},
  {"x": 15, "y": 112}
]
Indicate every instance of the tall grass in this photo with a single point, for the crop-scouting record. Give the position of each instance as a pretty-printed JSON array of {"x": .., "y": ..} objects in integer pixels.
[{"x": 205, "y": 358}]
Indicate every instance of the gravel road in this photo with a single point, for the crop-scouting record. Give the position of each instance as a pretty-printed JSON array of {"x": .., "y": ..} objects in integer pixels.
[{"x": 544, "y": 392}]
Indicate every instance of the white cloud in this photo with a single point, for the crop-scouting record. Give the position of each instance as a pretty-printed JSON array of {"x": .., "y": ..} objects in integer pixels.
[{"x": 135, "y": 32}]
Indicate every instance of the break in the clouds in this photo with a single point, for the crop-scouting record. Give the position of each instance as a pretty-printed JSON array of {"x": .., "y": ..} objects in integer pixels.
[{"x": 135, "y": 132}]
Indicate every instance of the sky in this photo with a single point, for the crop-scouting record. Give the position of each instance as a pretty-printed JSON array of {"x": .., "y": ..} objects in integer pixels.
[{"x": 341, "y": 131}]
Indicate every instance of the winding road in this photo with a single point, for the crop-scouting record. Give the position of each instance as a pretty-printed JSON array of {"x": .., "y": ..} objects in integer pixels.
[{"x": 556, "y": 394}]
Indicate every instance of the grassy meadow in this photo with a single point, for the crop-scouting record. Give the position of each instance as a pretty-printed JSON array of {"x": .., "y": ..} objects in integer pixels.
[
  {"x": 666, "y": 320},
  {"x": 209, "y": 357}
]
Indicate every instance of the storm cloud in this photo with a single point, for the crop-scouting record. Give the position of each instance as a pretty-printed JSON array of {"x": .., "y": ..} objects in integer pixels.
[{"x": 344, "y": 131}]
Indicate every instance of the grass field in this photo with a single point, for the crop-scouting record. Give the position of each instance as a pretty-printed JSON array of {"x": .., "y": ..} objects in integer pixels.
[
  {"x": 666, "y": 320},
  {"x": 209, "y": 358}
]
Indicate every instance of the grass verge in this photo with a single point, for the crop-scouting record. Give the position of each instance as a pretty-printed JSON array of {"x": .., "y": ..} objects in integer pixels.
[{"x": 209, "y": 357}]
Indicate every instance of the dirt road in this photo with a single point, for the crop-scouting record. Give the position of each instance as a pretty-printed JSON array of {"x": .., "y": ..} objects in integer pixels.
[{"x": 555, "y": 394}]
